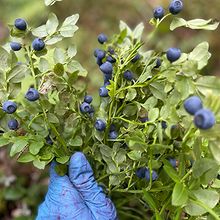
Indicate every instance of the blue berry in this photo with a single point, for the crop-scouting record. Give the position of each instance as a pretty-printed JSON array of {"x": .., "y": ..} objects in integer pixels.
[
  {"x": 128, "y": 75},
  {"x": 99, "y": 61},
  {"x": 91, "y": 112},
  {"x": 48, "y": 140},
  {"x": 32, "y": 95},
  {"x": 164, "y": 124},
  {"x": 193, "y": 104},
  {"x": 107, "y": 77},
  {"x": 102, "y": 38},
  {"x": 140, "y": 172},
  {"x": 111, "y": 50},
  {"x": 85, "y": 107},
  {"x": 173, "y": 162},
  {"x": 112, "y": 127},
  {"x": 173, "y": 54},
  {"x": 20, "y": 24},
  {"x": 88, "y": 99},
  {"x": 110, "y": 59},
  {"x": 158, "y": 63},
  {"x": 106, "y": 68},
  {"x": 204, "y": 119},
  {"x": 15, "y": 46},
  {"x": 113, "y": 134},
  {"x": 103, "y": 91},
  {"x": 100, "y": 54},
  {"x": 38, "y": 44},
  {"x": 13, "y": 124},
  {"x": 100, "y": 125},
  {"x": 9, "y": 107},
  {"x": 176, "y": 7},
  {"x": 154, "y": 175},
  {"x": 144, "y": 119},
  {"x": 106, "y": 83},
  {"x": 136, "y": 58},
  {"x": 95, "y": 52},
  {"x": 159, "y": 12}
]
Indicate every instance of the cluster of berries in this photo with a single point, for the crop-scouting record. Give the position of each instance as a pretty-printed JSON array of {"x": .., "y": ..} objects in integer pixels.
[
  {"x": 203, "y": 118},
  {"x": 10, "y": 107},
  {"x": 37, "y": 44},
  {"x": 175, "y": 8}
]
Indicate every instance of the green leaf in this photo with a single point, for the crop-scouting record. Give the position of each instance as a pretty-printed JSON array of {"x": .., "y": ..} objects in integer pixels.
[
  {"x": 18, "y": 146},
  {"x": 25, "y": 158},
  {"x": 3, "y": 58},
  {"x": 214, "y": 148},
  {"x": 51, "y": 2},
  {"x": 54, "y": 40},
  {"x": 53, "y": 118},
  {"x": 76, "y": 142},
  {"x": 200, "y": 54},
  {"x": 63, "y": 160},
  {"x": 179, "y": 195},
  {"x": 16, "y": 74},
  {"x": 71, "y": 52},
  {"x": 35, "y": 147},
  {"x": 171, "y": 171},
  {"x": 4, "y": 141},
  {"x": 61, "y": 169},
  {"x": 134, "y": 155},
  {"x": 150, "y": 103},
  {"x": 75, "y": 66},
  {"x": 138, "y": 31},
  {"x": 153, "y": 114},
  {"x": 52, "y": 24},
  {"x": 132, "y": 93},
  {"x": 157, "y": 90},
  {"x": 68, "y": 27},
  {"x": 40, "y": 31},
  {"x": 59, "y": 55},
  {"x": 39, "y": 164},
  {"x": 200, "y": 24},
  {"x": 43, "y": 65},
  {"x": 150, "y": 200}
]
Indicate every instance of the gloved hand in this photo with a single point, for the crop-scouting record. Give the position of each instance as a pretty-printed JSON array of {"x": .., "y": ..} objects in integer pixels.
[{"x": 76, "y": 196}]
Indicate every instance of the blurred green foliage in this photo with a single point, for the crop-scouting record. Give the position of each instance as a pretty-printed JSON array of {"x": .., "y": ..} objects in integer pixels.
[{"x": 28, "y": 188}]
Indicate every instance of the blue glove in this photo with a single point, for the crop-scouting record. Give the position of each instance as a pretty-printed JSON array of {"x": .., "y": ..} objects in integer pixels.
[{"x": 76, "y": 196}]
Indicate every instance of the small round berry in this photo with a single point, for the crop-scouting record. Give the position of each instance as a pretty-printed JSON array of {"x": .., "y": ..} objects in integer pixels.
[
  {"x": 15, "y": 46},
  {"x": 173, "y": 54},
  {"x": 9, "y": 107},
  {"x": 193, "y": 104},
  {"x": 204, "y": 119},
  {"x": 38, "y": 44},
  {"x": 176, "y": 7},
  {"x": 173, "y": 162},
  {"x": 159, "y": 12},
  {"x": 88, "y": 99},
  {"x": 103, "y": 91},
  {"x": 100, "y": 54},
  {"x": 154, "y": 175},
  {"x": 163, "y": 124},
  {"x": 13, "y": 124},
  {"x": 99, "y": 61},
  {"x": 48, "y": 140},
  {"x": 158, "y": 63},
  {"x": 106, "y": 68},
  {"x": 140, "y": 172},
  {"x": 113, "y": 134},
  {"x": 20, "y": 24},
  {"x": 136, "y": 58},
  {"x": 110, "y": 59},
  {"x": 32, "y": 95},
  {"x": 100, "y": 125},
  {"x": 144, "y": 119},
  {"x": 128, "y": 75},
  {"x": 85, "y": 107},
  {"x": 102, "y": 38},
  {"x": 111, "y": 50}
]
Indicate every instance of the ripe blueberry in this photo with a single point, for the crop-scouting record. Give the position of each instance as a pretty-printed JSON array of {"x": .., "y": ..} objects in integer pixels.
[
  {"x": 99, "y": 61},
  {"x": 140, "y": 172},
  {"x": 9, "y": 107},
  {"x": 15, "y": 46},
  {"x": 154, "y": 175},
  {"x": 158, "y": 63},
  {"x": 111, "y": 50},
  {"x": 173, "y": 162},
  {"x": 85, "y": 107},
  {"x": 20, "y": 24},
  {"x": 103, "y": 91},
  {"x": 159, "y": 12},
  {"x": 173, "y": 54},
  {"x": 136, "y": 58},
  {"x": 193, "y": 104},
  {"x": 32, "y": 95},
  {"x": 176, "y": 7},
  {"x": 106, "y": 68},
  {"x": 100, "y": 125},
  {"x": 48, "y": 140},
  {"x": 102, "y": 38},
  {"x": 88, "y": 99},
  {"x": 128, "y": 75},
  {"x": 100, "y": 54},
  {"x": 38, "y": 44},
  {"x": 163, "y": 124},
  {"x": 110, "y": 59},
  {"x": 204, "y": 119},
  {"x": 13, "y": 124},
  {"x": 113, "y": 134},
  {"x": 144, "y": 119}
]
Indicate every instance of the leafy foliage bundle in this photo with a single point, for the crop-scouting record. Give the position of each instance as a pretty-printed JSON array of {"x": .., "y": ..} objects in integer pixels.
[{"x": 144, "y": 108}]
